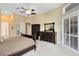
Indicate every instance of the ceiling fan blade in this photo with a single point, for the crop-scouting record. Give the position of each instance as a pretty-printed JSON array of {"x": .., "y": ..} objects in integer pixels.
[
  {"x": 22, "y": 11},
  {"x": 17, "y": 8},
  {"x": 23, "y": 8},
  {"x": 33, "y": 13}
]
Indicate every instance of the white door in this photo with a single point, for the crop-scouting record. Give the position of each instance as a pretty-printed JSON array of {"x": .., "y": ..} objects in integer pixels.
[
  {"x": 22, "y": 27},
  {"x": 5, "y": 29},
  {"x": 28, "y": 28}
]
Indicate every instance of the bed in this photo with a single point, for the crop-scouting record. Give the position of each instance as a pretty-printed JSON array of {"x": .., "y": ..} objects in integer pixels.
[{"x": 16, "y": 46}]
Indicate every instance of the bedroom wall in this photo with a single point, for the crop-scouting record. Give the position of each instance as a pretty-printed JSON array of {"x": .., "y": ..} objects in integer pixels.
[
  {"x": 23, "y": 19},
  {"x": 16, "y": 20},
  {"x": 13, "y": 21},
  {"x": 0, "y": 22},
  {"x": 31, "y": 21},
  {"x": 6, "y": 18},
  {"x": 54, "y": 15}
]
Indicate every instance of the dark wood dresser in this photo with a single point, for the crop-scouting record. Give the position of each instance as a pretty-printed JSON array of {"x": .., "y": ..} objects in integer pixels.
[{"x": 48, "y": 36}]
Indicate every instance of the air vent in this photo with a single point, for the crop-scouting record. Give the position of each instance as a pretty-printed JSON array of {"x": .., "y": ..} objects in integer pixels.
[{"x": 70, "y": 7}]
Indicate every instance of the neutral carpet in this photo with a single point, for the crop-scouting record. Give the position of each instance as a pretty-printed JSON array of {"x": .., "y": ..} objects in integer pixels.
[{"x": 49, "y": 49}]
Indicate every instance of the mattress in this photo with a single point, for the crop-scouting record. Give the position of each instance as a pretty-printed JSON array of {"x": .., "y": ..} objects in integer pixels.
[{"x": 15, "y": 44}]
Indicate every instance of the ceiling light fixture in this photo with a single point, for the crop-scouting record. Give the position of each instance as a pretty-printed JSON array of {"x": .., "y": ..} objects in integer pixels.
[{"x": 28, "y": 11}]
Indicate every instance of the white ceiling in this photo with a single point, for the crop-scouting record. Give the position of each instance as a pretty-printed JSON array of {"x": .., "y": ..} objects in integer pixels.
[{"x": 39, "y": 7}]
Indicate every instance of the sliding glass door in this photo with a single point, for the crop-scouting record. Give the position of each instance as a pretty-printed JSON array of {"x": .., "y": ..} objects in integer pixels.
[
  {"x": 70, "y": 32},
  {"x": 74, "y": 32}
]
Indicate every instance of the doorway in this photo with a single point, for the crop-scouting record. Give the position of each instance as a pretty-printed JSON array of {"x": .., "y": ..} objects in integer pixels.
[
  {"x": 5, "y": 29},
  {"x": 28, "y": 28}
]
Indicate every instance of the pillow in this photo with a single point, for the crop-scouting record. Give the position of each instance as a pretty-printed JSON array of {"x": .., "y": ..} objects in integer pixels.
[{"x": 1, "y": 39}]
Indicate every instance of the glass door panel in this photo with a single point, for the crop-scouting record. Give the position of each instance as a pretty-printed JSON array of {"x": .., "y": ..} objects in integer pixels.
[
  {"x": 71, "y": 41},
  {"x": 73, "y": 25},
  {"x": 66, "y": 26},
  {"x": 74, "y": 42},
  {"x": 66, "y": 41}
]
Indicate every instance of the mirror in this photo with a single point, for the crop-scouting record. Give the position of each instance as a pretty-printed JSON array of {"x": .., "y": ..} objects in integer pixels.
[{"x": 49, "y": 27}]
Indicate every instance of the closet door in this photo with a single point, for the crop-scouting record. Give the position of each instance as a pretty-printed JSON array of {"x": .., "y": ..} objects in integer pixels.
[
  {"x": 22, "y": 27},
  {"x": 28, "y": 28}
]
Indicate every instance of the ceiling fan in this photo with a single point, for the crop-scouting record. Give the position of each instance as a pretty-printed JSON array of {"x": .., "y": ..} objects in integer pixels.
[{"x": 28, "y": 11}]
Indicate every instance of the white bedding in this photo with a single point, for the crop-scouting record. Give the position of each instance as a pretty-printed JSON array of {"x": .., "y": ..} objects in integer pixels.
[{"x": 15, "y": 44}]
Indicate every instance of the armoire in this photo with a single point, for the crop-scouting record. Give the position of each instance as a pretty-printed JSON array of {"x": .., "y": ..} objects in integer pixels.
[
  {"x": 70, "y": 26},
  {"x": 35, "y": 30}
]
